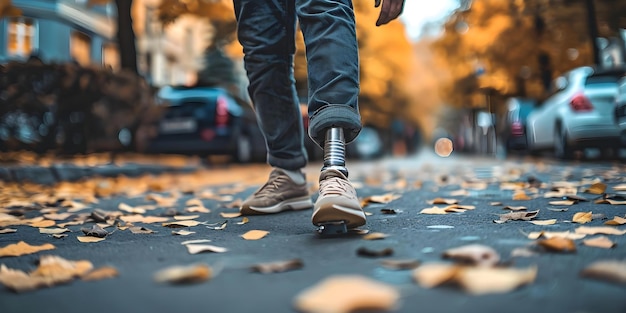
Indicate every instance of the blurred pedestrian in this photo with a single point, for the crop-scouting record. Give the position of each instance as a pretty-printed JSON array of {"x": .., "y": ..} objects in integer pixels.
[{"x": 266, "y": 30}]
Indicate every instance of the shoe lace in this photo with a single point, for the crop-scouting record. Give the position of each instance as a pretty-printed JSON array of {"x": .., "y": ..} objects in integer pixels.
[
  {"x": 273, "y": 184},
  {"x": 334, "y": 185}
]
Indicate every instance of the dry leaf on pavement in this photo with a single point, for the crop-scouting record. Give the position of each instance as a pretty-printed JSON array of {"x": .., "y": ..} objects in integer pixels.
[
  {"x": 558, "y": 244},
  {"x": 606, "y": 230},
  {"x": 183, "y": 232},
  {"x": 52, "y": 231},
  {"x": 184, "y": 274},
  {"x": 544, "y": 222},
  {"x": 143, "y": 219},
  {"x": 548, "y": 235},
  {"x": 582, "y": 217},
  {"x": 434, "y": 274},
  {"x": 562, "y": 202},
  {"x": 487, "y": 280},
  {"x": 185, "y": 217},
  {"x": 195, "y": 241},
  {"x": 375, "y": 236},
  {"x": 514, "y": 208},
  {"x": 230, "y": 215},
  {"x": 610, "y": 201},
  {"x": 95, "y": 231},
  {"x": 330, "y": 295},
  {"x": 244, "y": 220},
  {"x": 443, "y": 201},
  {"x": 400, "y": 264},
  {"x": 199, "y": 248},
  {"x": 616, "y": 221},
  {"x": 43, "y": 224},
  {"x": 22, "y": 248},
  {"x": 57, "y": 216},
  {"x": 526, "y": 216},
  {"x": 90, "y": 239},
  {"x": 434, "y": 210},
  {"x": 608, "y": 270},
  {"x": 8, "y": 230},
  {"x": 254, "y": 234},
  {"x": 129, "y": 209},
  {"x": 596, "y": 189},
  {"x": 366, "y": 252},
  {"x": 474, "y": 254},
  {"x": 277, "y": 267},
  {"x": 101, "y": 273},
  {"x": 52, "y": 270},
  {"x": 175, "y": 224},
  {"x": 599, "y": 242},
  {"x": 520, "y": 195},
  {"x": 386, "y": 198},
  {"x": 140, "y": 230}
]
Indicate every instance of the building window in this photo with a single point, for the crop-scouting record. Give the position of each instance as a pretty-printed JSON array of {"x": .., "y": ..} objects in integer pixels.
[
  {"x": 110, "y": 56},
  {"x": 21, "y": 37},
  {"x": 80, "y": 48}
]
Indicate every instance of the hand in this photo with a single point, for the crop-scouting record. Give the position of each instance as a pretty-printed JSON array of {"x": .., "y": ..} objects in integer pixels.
[{"x": 390, "y": 11}]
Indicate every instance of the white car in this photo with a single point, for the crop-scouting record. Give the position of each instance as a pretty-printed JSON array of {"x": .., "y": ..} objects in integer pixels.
[{"x": 579, "y": 113}]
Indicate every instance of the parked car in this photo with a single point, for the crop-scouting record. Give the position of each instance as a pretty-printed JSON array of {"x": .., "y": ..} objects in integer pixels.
[
  {"x": 206, "y": 121},
  {"x": 620, "y": 110},
  {"x": 514, "y": 122},
  {"x": 578, "y": 114}
]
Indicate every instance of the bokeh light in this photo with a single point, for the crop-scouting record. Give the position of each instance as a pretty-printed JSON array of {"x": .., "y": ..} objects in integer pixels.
[{"x": 444, "y": 147}]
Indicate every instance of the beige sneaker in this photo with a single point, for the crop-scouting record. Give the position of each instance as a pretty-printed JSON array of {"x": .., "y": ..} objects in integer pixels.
[
  {"x": 280, "y": 193},
  {"x": 337, "y": 201}
]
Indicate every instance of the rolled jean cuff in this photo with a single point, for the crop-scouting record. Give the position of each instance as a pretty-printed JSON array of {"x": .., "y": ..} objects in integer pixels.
[
  {"x": 290, "y": 164},
  {"x": 334, "y": 115}
]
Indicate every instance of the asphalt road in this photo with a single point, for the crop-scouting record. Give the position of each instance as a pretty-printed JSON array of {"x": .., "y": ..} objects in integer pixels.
[{"x": 557, "y": 287}]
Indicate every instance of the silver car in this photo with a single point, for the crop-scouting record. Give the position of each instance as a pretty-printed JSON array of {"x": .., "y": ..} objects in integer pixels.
[
  {"x": 620, "y": 110},
  {"x": 579, "y": 113}
]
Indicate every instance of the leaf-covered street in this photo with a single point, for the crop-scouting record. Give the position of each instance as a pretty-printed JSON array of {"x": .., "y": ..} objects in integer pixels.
[{"x": 443, "y": 235}]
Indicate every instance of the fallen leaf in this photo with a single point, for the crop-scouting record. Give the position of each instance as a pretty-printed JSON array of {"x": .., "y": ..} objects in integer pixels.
[
  {"x": 562, "y": 202},
  {"x": 386, "y": 198},
  {"x": 582, "y": 217},
  {"x": 375, "y": 236},
  {"x": 184, "y": 274},
  {"x": 388, "y": 211},
  {"x": 277, "y": 267},
  {"x": 400, "y": 264},
  {"x": 254, "y": 234},
  {"x": 599, "y": 242},
  {"x": 8, "y": 230},
  {"x": 244, "y": 220},
  {"x": 374, "y": 253},
  {"x": 23, "y": 248},
  {"x": 558, "y": 244},
  {"x": 616, "y": 221},
  {"x": 544, "y": 222},
  {"x": 43, "y": 224},
  {"x": 73, "y": 206},
  {"x": 185, "y": 217},
  {"x": 57, "y": 216},
  {"x": 95, "y": 231},
  {"x": 127, "y": 208},
  {"x": 490, "y": 280},
  {"x": 52, "y": 231},
  {"x": 230, "y": 215},
  {"x": 496, "y": 203},
  {"x": 607, "y": 270},
  {"x": 621, "y": 187},
  {"x": 558, "y": 210},
  {"x": 434, "y": 274},
  {"x": 548, "y": 235},
  {"x": 221, "y": 226},
  {"x": 101, "y": 273},
  {"x": 434, "y": 210},
  {"x": 610, "y": 201},
  {"x": 459, "y": 193},
  {"x": 330, "y": 295},
  {"x": 526, "y": 216},
  {"x": 606, "y": 230},
  {"x": 59, "y": 236},
  {"x": 90, "y": 239},
  {"x": 183, "y": 232},
  {"x": 522, "y": 252},
  {"x": 520, "y": 195},
  {"x": 474, "y": 254},
  {"x": 514, "y": 208},
  {"x": 140, "y": 230},
  {"x": 596, "y": 189},
  {"x": 197, "y": 209},
  {"x": 143, "y": 219},
  {"x": 188, "y": 223},
  {"x": 194, "y": 241},
  {"x": 198, "y": 248},
  {"x": 443, "y": 201},
  {"x": 52, "y": 270}
]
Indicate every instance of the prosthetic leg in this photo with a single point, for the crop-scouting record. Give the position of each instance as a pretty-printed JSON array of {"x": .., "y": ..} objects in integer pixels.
[{"x": 334, "y": 158}]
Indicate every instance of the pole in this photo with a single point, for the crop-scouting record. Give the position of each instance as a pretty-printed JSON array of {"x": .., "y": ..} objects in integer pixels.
[{"x": 592, "y": 26}]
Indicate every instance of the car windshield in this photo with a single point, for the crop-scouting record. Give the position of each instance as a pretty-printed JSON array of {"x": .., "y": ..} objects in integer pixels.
[{"x": 602, "y": 81}]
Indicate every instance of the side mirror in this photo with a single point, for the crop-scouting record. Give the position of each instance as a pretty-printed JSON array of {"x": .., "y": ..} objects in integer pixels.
[{"x": 560, "y": 83}]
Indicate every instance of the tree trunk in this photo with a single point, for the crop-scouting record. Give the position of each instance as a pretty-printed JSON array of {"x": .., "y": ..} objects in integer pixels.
[
  {"x": 592, "y": 24},
  {"x": 126, "y": 36}
]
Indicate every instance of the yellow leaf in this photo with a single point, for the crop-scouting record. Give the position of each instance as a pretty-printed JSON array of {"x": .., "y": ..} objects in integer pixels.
[
  {"x": 22, "y": 248},
  {"x": 558, "y": 244},
  {"x": 589, "y": 230},
  {"x": 608, "y": 270},
  {"x": 254, "y": 234},
  {"x": 434, "y": 274},
  {"x": 101, "y": 273},
  {"x": 90, "y": 239},
  {"x": 520, "y": 195},
  {"x": 127, "y": 208},
  {"x": 562, "y": 202},
  {"x": 184, "y": 274},
  {"x": 186, "y": 223},
  {"x": 8, "y": 230},
  {"x": 443, "y": 201},
  {"x": 544, "y": 222},
  {"x": 52, "y": 231},
  {"x": 434, "y": 210},
  {"x": 43, "y": 224},
  {"x": 330, "y": 295},
  {"x": 616, "y": 221},
  {"x": 375, "y": 236},
  {"x": 57, "y": 216},
  {"x": 582, "y": 217},
  {"x": 487, "y": 280},
  {"x": 230, "y": 215},
  {"x": 599, "y": 242},
  {"x": 597, "y": 188},
  {"x": 244, "y": 220},
  {"x": 52, "y": 270},
  {"x": 143, "y": 219}
]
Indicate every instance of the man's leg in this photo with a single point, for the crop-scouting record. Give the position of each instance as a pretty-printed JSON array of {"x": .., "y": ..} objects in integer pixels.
[
  {"x": 266, "y": 30},
  {"x": 333, "y": 72}
]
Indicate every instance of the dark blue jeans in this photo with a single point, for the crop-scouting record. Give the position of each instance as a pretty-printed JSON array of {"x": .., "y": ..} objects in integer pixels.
[{"x": 266, "y": 30}]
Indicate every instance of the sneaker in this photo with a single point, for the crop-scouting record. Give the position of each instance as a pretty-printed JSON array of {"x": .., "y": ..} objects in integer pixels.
[
  {"x": 337, "y": 201},
  {"x": 280, "y": 193}
]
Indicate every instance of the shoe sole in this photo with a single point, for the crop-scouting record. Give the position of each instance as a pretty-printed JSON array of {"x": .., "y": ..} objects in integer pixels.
[
  {"x": 336, "y": 213},
  {"x": 291, "y": 204}
]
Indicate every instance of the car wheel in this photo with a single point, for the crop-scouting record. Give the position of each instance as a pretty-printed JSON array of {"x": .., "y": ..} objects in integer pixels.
[
  {"x": 562, "y": 149},
  {"x": 243, "y": 154}
]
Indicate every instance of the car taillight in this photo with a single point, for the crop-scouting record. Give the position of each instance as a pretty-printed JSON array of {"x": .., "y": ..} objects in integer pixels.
[
  {"x": 517, "y": 129},
  {"x": 580, "y": 103},
  {"x": 221, "y": 112}
]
